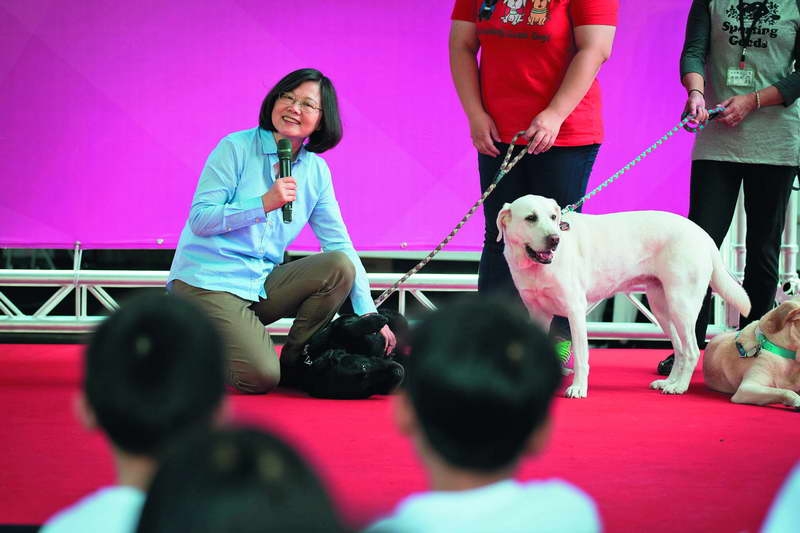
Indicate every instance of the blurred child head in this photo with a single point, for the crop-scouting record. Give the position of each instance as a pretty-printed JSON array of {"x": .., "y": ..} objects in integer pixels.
[
  {"x": 153, "y": 369},
  {"x": 479, "y": 384},
  {"x": 236, "y": 481}
]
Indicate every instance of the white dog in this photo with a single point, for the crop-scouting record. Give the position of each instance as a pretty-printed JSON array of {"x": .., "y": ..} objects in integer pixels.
[
  {"x": 759, "y": 364},
  {"x": 601, "y": 255}
]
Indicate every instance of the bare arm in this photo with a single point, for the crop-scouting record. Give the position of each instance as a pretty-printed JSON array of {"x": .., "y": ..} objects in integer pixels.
[
  {"x": 594, "y": 44},
  {"x": 464, "y": 46}
]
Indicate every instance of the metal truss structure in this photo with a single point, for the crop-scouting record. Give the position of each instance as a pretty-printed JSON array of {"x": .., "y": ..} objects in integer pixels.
[{"x": 85, "y": 285}]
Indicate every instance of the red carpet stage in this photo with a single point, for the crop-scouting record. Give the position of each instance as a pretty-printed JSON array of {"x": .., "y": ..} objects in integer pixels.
[{"x": 653, "y": 463}]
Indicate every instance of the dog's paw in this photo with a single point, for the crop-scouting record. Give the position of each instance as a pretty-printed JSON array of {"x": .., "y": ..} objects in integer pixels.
[
  {"x": 658, "y": 384},
  {"x": 661, "y": 384},
  {"x": 669, "y": 386},
  {"x": 793, "y": 400},
  {"x": 675, "y": 389},
  {"x": 576, "y": 391}
]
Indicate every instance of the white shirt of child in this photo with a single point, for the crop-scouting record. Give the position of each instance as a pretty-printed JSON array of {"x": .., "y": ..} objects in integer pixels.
[
  {"x": 509, "y": 506},
  {"x": 111, "y": 510},
  {"x": 784, "y": 515}
]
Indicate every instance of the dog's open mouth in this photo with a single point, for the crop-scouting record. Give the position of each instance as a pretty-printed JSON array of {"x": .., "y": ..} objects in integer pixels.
[{"x": 545, "y": 257}]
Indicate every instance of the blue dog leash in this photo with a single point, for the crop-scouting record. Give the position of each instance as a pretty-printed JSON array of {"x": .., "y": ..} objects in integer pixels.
[
  {"x": 685, "y": 123},
  {"x": 507, "y": 164}
]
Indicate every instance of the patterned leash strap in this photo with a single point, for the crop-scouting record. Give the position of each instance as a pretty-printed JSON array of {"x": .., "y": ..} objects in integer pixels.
[
  {"x": 509, "y": 163},
  {"x": 685, "y": 123},
  {"x": 505, "y": 167}
]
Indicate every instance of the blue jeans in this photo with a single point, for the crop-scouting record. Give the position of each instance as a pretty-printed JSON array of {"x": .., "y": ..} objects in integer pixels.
[{"x": 561, "y": 173}]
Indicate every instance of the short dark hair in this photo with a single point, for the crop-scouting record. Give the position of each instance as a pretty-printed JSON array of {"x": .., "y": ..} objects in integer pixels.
[
  {"x": 330, "y": 127},
  {"x": 153, "y": 368},
  {"x": 236, "y": 480},
  {"x": 481, "y": 378}
]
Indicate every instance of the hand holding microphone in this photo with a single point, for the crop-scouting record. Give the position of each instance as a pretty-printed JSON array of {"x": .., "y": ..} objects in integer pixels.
[
  {"x": 285, "y": 159},
  {"x": 284, "y": 190}
]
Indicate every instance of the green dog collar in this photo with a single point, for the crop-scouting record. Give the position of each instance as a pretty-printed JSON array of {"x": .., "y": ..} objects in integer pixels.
[{"x": 765, "y": 344}]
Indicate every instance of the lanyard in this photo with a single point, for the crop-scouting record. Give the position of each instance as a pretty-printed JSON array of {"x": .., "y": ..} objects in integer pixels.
[{"x": 760, "y": 11}]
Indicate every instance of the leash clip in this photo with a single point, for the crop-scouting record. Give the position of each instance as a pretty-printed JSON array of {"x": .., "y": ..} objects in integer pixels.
[
  {"x": 752, "y": 352},
  {"x": 693, "y": 127}
]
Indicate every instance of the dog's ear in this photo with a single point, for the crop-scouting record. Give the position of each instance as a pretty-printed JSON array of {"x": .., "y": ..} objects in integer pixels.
[
  {"x": 364, "y": 325},
  {"x": 502, "y": 220},
  {"x": 793, "y": 324},
  {"x": 563, "y": 225},
  {"x": 776, "y": 320}
]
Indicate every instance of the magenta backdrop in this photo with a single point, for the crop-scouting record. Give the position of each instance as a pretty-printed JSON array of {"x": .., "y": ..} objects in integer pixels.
[{"x": 108, "y": 111}]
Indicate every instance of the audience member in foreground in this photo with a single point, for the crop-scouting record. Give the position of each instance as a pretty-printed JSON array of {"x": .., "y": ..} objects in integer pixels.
[
  {"x": 476, "y": 401},
  {"x": 153, "y": 370},
  {"x": 236, "y": 481},
  {"x": 784, "y": 515}
]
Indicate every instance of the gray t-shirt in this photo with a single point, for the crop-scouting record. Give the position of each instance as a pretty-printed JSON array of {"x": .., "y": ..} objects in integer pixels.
[{"x": 770, "y": 135}]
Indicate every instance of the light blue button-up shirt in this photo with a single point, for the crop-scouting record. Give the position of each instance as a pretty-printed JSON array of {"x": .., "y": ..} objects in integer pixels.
[{"x": 229, "y": 244}]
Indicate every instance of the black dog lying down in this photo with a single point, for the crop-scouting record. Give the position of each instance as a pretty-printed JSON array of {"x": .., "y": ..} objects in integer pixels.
[{"x": 345, "y": 359}]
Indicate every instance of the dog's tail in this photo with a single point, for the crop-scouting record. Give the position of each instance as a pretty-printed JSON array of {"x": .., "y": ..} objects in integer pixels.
[{"x": 724, "y": 283}]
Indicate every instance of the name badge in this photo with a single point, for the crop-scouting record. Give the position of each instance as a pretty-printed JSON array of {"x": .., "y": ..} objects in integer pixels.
[{"x": 741, "y": 77}]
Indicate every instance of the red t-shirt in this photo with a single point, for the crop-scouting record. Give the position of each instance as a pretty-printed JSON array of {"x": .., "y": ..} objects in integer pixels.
[{"x": 526, "y": 47}]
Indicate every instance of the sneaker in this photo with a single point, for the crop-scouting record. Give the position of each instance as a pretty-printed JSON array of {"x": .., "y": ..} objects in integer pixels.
[
  {"x": 565, "y": 356},
  {"x": 665, "y": 366}
]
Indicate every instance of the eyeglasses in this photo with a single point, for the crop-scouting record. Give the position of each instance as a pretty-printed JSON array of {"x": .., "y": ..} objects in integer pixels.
[{"x": 306, "y": 106}]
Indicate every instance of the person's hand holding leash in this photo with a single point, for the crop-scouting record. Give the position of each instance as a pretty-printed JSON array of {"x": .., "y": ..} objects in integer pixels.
[
  {"x": 696, "y": 107},
  {"x": 543, "y": 131},
  {"x": 282, "y": 191},
  {"x": 484, "y": 134},
  {"x": 737, "y": 108}
]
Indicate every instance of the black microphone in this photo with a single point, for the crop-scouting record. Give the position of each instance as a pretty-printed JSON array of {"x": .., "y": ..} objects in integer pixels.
[{"x": 285, "y": 159}]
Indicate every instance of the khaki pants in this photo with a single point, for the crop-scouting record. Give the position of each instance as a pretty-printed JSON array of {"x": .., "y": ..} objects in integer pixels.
[{"x": 310, "y": 290}]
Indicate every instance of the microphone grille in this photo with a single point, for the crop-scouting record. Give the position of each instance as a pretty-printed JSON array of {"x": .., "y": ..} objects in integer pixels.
[{"x": 284, "y": 149}]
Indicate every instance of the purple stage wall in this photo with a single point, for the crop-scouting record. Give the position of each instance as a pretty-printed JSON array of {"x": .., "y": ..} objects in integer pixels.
[{"x": 108, "y": 111}]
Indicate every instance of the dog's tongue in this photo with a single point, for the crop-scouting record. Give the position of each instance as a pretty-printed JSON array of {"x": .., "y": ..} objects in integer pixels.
[{"x": 546, "y": 256}]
